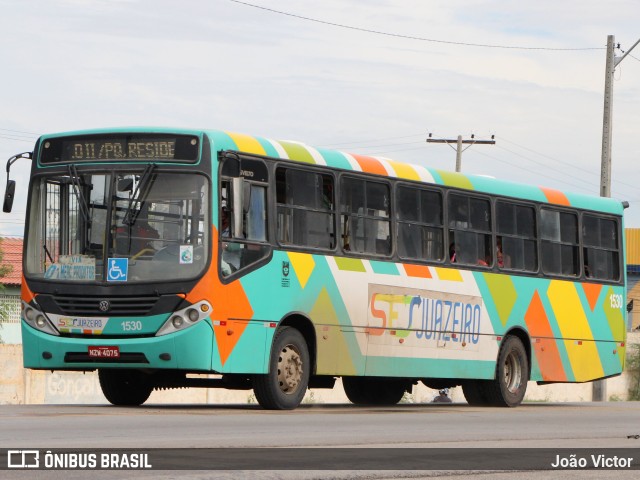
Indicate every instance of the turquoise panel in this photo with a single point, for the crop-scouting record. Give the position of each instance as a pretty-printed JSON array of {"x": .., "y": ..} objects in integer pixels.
[
  {"x": 386, "y": 268},
  {"x": 335, "y": 159},
  {"x": 189, "y": 349},
  {"x": 268, "y": 147},
  {"x": 249, "y": 355},
  {"x": 123, "y": 325},
  {"x": 499, "y": 187},
  {"x": 430, "y": 367},
  {"x": 602, "y": 204}
]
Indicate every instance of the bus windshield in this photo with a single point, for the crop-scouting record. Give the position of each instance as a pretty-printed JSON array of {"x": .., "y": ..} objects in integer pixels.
[{"x": 143, "y": 226}]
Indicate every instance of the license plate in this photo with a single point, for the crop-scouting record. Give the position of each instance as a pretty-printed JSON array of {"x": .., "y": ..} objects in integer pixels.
[{"x": 104, "y": 352}]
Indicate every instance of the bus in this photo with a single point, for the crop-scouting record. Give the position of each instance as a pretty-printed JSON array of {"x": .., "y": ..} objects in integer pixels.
[{"x": 193, "y": 258}]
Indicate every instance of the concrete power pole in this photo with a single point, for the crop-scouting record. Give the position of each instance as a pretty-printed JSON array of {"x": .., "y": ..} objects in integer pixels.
[
  {"x": 599, "y": 389},
  {"x": 607, "y": 119},
  {"x": 605, "y": 163},
  {"x": 459, "y": 142}
]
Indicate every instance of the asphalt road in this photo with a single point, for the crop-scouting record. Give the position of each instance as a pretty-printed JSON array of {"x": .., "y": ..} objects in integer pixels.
[{"x": 550, "y": 426}]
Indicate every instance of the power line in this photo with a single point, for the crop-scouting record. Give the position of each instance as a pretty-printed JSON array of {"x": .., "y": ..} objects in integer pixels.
[
  {"x": 564, "y": 162},
  {"x": 591, "y": 184},
  {"x": 330, "y": 145},
  {"x": 408, "y": 37},
  {"x": 17, "y": 139},
  {"x": 18, "y": 131},
  {"x": 536, "y": 172}
]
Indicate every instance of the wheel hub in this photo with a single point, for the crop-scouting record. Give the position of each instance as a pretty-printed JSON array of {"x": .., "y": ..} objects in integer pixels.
[
  {"x": 289, "y": 369},
  {"x": 512, "y": 373}
]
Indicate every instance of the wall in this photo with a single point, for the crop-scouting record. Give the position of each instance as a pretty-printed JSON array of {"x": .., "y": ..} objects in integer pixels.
[{"x": 20, "y": 386}]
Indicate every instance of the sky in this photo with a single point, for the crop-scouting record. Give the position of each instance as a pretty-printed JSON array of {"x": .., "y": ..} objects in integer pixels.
[{"x": 372, "y": 77}]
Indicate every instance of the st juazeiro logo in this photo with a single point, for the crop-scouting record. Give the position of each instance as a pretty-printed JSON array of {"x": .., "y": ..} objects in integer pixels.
[{"x": 285, "y": 269}]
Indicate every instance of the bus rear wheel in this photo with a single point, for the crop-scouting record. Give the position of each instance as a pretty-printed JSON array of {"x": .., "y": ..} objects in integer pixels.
[
  {"x": 284, "y": 387},
  {"x": 125, "y": 387},
  {"x": 373, "y": 390},
  {"x": 510, "y": 385}
]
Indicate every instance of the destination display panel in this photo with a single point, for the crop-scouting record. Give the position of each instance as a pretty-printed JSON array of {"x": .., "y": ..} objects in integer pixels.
[{"x": 125, "y": 147}]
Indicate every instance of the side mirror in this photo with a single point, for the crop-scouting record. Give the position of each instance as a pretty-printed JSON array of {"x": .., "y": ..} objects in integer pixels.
[{"x": 8, "y": 196}]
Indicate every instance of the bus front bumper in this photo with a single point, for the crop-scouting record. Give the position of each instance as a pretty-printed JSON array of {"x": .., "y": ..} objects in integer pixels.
[{"x": 190, "y": 349}]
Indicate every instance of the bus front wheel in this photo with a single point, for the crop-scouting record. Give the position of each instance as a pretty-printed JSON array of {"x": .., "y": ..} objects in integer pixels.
[
  {"x": 284, "y": 387},
  {"x": 125, "y": 387}
]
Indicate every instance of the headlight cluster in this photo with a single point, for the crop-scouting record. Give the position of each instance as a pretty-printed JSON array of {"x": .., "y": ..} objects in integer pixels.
[
  {"x": 185, "y": 318},
  {"x": 37, "y": 319}
]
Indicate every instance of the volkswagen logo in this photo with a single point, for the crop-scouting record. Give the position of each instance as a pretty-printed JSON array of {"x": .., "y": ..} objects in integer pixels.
[{"x": 104, "y": 306}]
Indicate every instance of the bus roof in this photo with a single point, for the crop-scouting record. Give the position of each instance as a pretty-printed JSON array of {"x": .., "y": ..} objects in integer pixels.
[
  {"x": 297, "y": 151},
  {"x": 385, "y": 166}
]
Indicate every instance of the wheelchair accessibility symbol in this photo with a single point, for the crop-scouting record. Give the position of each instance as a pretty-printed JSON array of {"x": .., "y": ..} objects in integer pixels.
[{"x": 118, "y": 269}]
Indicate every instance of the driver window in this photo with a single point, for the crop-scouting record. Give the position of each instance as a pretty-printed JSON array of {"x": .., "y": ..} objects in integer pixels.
[{"x": 242, "y": 217}]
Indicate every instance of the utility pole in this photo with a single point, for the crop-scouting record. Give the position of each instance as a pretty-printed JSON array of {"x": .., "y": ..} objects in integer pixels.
[
  {"x": 599, "y": 388},
  {"x": 458, "y": 148},
  {"x": 607, "y": 119}
]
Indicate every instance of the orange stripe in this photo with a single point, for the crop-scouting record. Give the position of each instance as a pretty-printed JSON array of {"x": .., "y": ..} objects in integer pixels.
[
  {"x": 546, "y": 350},
  {"x": 26, "y": 294},
  {"x": 592, "y": 292},
  {"x": 421, "y": 271},
  {"x": 228, "y": 301},
  {"x": 370, "y": 165},
  {"x": 555, "y": 196}
]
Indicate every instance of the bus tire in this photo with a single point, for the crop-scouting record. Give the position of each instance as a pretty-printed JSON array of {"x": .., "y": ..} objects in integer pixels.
[
  {"x": 124, "y": 387},
  {"x": 373, "y": 390},
  {"x": 512, "y": 375},
  {"x": 473, "y": 391},
  {"x": 284, "y": 387}
]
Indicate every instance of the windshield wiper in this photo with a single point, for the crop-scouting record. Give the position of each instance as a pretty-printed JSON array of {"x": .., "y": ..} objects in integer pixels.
[
  {"x": 77, "y": 189},
  {"x": 140, "y": 195}
]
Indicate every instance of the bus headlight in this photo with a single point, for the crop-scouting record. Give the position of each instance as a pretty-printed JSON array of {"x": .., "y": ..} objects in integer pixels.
[
  {"x": 193, "y": 315},
  {"x": 41, "y": 322},
  {"x": 37, "y": 319},
  {"x": 177, "y": 321}
]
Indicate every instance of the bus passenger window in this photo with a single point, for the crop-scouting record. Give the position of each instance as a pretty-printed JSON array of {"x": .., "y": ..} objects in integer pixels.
[
  {"x": 470, "y": 230},
  {"x": 420, "y": 229},
  {"x": 516, "y": 241},
  {"x": 305, "y": 203},
  {"x": 365, "y": 216},
  {"x": 559, "y": 235},
  {"x": 601, "y": 248}
]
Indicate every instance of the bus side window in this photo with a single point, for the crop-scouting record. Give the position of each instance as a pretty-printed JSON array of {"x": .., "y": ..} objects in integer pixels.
[
  {"x": 420, "y": 229},
  {"x": 305, "y": 206},
  {"x": 365, "y": 216},
  {"x": 470, "y": 226},
  {"x": 601, "y": 248},
  {"x": 516, "y": 240},
  {"x": 559, "y": 235}
]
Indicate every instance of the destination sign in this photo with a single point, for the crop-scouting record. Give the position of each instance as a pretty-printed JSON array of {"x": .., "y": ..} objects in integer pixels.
[
  {"x": 118, "y": 150},
  {"x": 148, "y": 147}
]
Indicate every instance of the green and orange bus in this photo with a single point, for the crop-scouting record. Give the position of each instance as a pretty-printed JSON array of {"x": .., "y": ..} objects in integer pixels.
[{"x": 155, "y": 256}]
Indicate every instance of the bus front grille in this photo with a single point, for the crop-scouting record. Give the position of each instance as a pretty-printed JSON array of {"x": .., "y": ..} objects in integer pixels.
[{"x": 111, "y": 306}]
